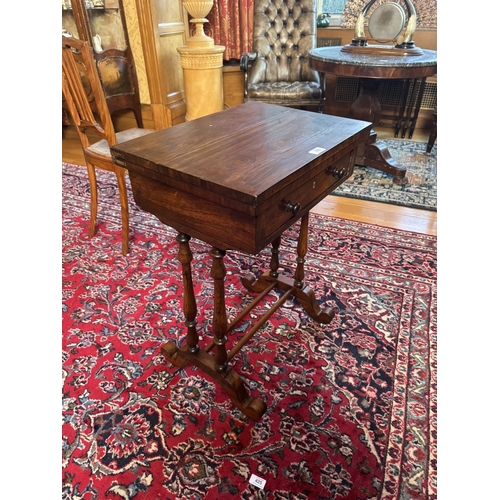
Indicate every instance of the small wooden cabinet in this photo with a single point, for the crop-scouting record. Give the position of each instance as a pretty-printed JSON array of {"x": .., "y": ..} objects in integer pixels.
[{"x": 102, "y": 23}]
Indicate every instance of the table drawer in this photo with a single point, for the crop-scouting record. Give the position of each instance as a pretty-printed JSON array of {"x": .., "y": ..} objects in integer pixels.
[{"x": 298, "y": 198}]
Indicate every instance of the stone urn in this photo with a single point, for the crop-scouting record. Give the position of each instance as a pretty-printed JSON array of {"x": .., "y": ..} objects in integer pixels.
[{"x": 198, "y": 10}]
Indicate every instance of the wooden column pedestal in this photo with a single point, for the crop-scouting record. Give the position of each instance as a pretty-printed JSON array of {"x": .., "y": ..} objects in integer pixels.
[{"x": 202, "y": 69}]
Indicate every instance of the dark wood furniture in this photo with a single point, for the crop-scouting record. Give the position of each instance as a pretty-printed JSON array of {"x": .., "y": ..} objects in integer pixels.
[
  {"x": 371, "y": 68},
  {"x": 432, "y": 134},
  {"x": 105, "y": 19},
  {"x": 236, "y": 180},
  {"x": 410, "y": 107},
  {"x": 87, "y": 105}
]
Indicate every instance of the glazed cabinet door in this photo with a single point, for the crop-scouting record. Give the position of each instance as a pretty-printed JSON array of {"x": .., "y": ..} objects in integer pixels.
[{"x": 102, "y": 23}]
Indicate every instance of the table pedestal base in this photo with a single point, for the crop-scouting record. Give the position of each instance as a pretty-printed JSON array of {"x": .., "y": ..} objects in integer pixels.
[
  {"x": 367, "y": 107},
  {"x": 216, "y": 365},
  {"x": 378, "y": 156}
]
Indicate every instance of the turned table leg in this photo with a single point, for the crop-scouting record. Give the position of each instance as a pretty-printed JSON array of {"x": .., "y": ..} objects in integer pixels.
[
  {"x": 216, "y": 365},
  {"x": 275, "y": 262},
  {"x": 304, "y": 294},
  {"x": 295, "y": 286},
  {"x": 170, "y": 350},
  {"x": 301, "y": 252},
  {"x": 219, "y": 331},
  {"x": 190, "y": 310}
]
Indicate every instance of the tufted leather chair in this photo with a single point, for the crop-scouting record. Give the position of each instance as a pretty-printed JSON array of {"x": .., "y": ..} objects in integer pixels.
[{"x": 277, "y": 71}]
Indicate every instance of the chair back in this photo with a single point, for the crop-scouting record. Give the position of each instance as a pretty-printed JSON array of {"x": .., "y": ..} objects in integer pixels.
[
  {"x": 284, "y": 32},
  {"x": 83, "y": 92}
]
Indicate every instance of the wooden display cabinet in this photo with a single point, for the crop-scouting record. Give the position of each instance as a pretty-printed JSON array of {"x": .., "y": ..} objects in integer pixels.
[{"x": 102, "y": 23}]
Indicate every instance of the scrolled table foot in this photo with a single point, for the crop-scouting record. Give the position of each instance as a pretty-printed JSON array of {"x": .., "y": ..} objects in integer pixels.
[
  {"x": 174, "y": 355},
  {"x": 254, "y": 409},
  {"x": 229, "y": 380},
  {"x": 378, "y": 156},
  {"x": 304, "y": 294},
  {"x": 306, "y": 297},
  {"x": 232, "y": 384}
]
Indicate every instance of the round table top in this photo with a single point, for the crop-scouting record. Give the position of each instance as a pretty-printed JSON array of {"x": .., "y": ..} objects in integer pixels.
[{"x": 334, "y": 60}]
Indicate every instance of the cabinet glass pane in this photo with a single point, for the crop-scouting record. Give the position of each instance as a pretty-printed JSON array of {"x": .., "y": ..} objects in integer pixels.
[
  {"x": 68, "y": 20},
  {"x": 106, "y": 26}
]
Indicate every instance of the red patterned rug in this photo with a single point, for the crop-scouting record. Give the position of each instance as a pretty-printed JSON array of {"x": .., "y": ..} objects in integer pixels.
[{"x": 351, "y": 405}]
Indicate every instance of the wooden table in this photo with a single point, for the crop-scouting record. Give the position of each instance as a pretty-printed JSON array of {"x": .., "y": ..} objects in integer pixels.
[
  {"x": 371, "y": 68},
  {"x": 236, "y": 180}
]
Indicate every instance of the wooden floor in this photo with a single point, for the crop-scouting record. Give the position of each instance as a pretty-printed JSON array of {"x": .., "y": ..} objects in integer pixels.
[{"x": 383, "y": 214}]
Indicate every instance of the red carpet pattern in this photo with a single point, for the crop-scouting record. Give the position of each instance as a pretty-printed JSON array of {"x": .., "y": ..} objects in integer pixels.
[{"x": 351, "y": 405}]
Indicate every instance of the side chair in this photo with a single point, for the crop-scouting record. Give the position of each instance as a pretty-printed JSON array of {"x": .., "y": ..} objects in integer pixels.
[{"x": 86, "y": 102}]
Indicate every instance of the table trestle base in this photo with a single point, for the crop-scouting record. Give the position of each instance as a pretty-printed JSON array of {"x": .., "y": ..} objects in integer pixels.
[
  {"x": 229, "y": 380},
  {"x": 216, "y": 365}
]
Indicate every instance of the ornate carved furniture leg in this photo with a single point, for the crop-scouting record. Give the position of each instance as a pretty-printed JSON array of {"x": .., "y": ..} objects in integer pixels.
[
  {"x": 378, "y": 156},
  {"x": 367, "y": 107},
  {"x": 418, "y": 105},
  {"x": 275, "y": 261},
  {"x": 218, "y": 273},
  {"x": 402, "y": 109},
  {"x": 170, "y": 351},
  {"x": 432, "y": 134},
  {"x": 303, "y": 293},
  {"x": 190, "y": 354}
]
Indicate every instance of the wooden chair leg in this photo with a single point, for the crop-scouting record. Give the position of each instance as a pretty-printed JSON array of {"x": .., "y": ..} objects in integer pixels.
[
  {"x": 93, "y": 199},
  {"x": 122, "y": 189}
]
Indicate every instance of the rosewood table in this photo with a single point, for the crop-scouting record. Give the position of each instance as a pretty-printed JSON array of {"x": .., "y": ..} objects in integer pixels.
[
  {"x": 372, "y": 68},
  {"x": 236, "y": 180}
]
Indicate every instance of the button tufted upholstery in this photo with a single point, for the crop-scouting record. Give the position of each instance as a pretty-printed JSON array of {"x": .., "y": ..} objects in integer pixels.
[{"x": 277, "y": 70}]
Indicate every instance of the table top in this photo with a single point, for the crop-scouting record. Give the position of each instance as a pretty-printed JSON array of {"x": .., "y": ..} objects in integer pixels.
[
  {"x": 335, "y": 60},
  {"x": 246, "y": 152},
  {"x": 223, "y": 177}
]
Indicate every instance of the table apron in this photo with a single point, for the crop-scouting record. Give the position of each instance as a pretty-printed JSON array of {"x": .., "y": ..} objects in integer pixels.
[
  {"x": 224, "y": 227},
  {"x": 382, "y": 72}
]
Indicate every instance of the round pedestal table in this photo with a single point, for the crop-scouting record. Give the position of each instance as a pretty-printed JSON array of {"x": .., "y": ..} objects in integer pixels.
[{"x": 372, "y": 66}]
